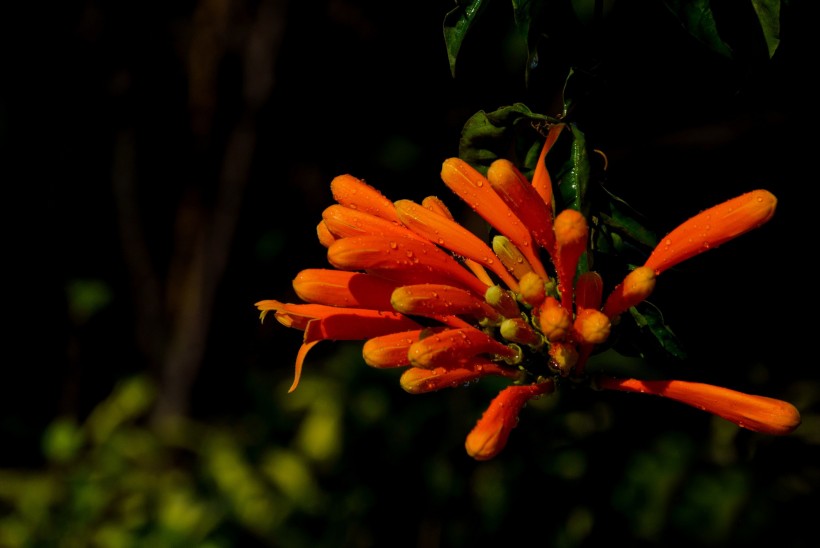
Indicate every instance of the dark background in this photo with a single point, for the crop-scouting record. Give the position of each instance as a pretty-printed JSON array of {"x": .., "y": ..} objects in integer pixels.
[{"x": 168, "y": 164}]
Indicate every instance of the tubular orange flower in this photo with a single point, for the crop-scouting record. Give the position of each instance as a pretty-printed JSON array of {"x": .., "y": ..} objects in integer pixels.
[
  {"x": 394, "y": 257},
  {"x": 756, "y": 413},
  {"x": 472, "y": 187},
  {"x": 355, "y": 194},
  {"x": 344, "y": 288},
  {"x": 426, "y": 294},
  {"x": 712, "y": 227},
  {"x": 419, "y": 380},
  {"x": 451, "y": 235},
  {"x": 636, "y": 287},
  {"x": 456, "y": 345},
  {"x": 571, "y": 232},
  {"x": 489, "y": 436},
  {"x": 441, "y": 300},
  {"x": 524, "y": 200}
]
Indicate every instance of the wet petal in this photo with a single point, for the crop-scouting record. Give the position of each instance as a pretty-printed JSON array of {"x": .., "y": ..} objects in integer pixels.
[
  {"x": 433, "y": 203},
  {"x": 421, "y": 260},
  {"x": 491, "y": 432},
  {"x": 524, "y": 200},
  {"x": 456, "y": 345},
  {"x": 387, "y": 351},
  {"x": 518, "y": 330},
  {"x": 591, "y": 326},
  {"x": 440, "y": 300},
  {"x": 472, "y": 187},
  {"x": 636, "y": 287},
  {"x": 420, "y": 380},
  {"x": 343, "y": 222},
  {"x": 712, "y": 227},
  {"x": 354, "y": 193},
  {"x": 344, "y": 288},
  {"x": 554, "y": 320},
  {"x": 756, "y": 413},
  {"x": 571, "y": 232},
  {"x": 513, "y": 260},
  {"x": 532, "y": 288},
  {"x": 450, "y": 235}
]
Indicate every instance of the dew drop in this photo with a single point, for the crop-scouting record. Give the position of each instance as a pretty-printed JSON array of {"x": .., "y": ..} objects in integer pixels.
[{"x": 394, "y": 245}]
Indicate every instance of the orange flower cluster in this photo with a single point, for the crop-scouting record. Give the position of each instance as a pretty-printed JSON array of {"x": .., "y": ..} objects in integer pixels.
[{"x": 428, "y": 295}]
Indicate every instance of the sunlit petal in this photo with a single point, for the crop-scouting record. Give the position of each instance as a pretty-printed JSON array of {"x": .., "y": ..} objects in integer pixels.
[
  {"x": 472, "y": 187},
  {"x": 712, "y": 227},
  {"x": 571, "y": 233},
  {"x": 422, "y": 260},
  {"x": 523, "y": 199},
  {"x": 439, "y": 300},
  {"x": 636, "y": 287},
  {"x": 450, "y": 235},
  {"x": 354, "y": 193},
  {"x": 456, "y": 345},
  {"x": 756, "y": 413},
  {"x": 490, "y": 434},
  {"x": 343, "y": 222},
  {"x": 344, "y": 288},
  {"x": 541, "y": 180}
]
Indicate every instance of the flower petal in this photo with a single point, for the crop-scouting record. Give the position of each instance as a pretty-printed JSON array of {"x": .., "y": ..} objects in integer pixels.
[
  {"x": 433, "y": 203},
  {"x": 712, "y": 227},
  {"x": 490, "y": 434},
  {"x": 440, "y": 300},
  {"x": 636, "y": 287},
  {"x": 354, "y": 193},
  {"x": 541, "y": 178},
  {"x": 388, "y": 351},
  {"x": 450, "y": 235},
  {"x": 343, "y": 222},
  {"x": 571, "y": 232},
  {"x": 300, "y": 361},
  {"x": 456, "y": 345},
  {"x": 399, "y": 257},
  {"x": 756, "y": 413},
  {"x": 472, "y": 187},
  {"x": 524, "y": 200},
  {"x": 419, "y": 380},
  {"x": 513, "y": 260},
  {"x": 344, "y": 288},
  {"x": 357, "y": 325}
]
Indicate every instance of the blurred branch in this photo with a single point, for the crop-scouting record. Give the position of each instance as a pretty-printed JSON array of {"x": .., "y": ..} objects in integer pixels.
[{"x": 173, "y": 325}]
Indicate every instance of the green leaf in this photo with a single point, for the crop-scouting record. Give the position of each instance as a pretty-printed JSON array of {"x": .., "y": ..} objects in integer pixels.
[
  {"x": 573, "y": 180},
  {"x": 768, "y": 13},
  {"x": 697, "y": 18},
  {"x": 525, "y": 12},
  {"x": 650, "y": 321},
  {"x": 510, "y": 132},
  {"x": 457, "y": 23}
]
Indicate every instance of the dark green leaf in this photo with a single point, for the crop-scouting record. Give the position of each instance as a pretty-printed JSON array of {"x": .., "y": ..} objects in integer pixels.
[
  {"x": 768, "y": 13},
  {"x": 509, "y": 132},
  {"x": 650, "y": 320},
  {"x": 457, "y": 23},
  {"x": 697, "y": 18}
]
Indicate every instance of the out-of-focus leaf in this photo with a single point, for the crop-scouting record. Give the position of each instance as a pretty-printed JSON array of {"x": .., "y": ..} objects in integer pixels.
[
  {"x": 650, "y": 319},
  {"x": 768, "y": 13},
  {"x": 509, "y": 132},
  {"x": 457, "y": 23},
  {"x": 620, "y": 218},
  {"x": 697, "y": 18},
  {"x": 526, "y": 13}
]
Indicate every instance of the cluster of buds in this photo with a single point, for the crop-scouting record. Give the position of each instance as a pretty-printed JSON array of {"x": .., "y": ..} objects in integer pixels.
[{"x": 428, "y": 295}]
